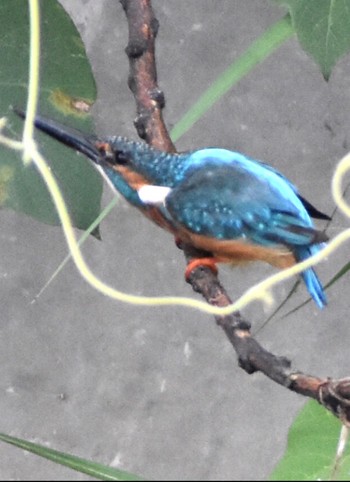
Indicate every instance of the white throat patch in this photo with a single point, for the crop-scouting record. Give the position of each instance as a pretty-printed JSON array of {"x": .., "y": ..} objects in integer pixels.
[{"x": 149, "y": 194}]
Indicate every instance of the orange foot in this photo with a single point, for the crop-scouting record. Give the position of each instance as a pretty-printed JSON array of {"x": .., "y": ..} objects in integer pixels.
[{"x": 196, "y": 262}]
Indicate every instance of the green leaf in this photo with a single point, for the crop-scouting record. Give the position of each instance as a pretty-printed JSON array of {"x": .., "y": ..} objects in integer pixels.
[
  {"x": 323, "y": 29},
  {"x": 98, "y": 471},
  {"x": 338, "y": 275},
  {"x": 312, "y": 445},
  {"x": 258, "y": 51},
  {"x": 67, "y": 90},
  {"x": 342, "y": 272}
]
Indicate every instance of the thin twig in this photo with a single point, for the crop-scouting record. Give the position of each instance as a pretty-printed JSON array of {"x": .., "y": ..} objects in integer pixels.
[{"x": 252, "y": 357}]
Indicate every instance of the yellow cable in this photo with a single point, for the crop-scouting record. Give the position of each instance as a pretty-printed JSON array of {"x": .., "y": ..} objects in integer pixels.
[{"x": 33, "y": 87}]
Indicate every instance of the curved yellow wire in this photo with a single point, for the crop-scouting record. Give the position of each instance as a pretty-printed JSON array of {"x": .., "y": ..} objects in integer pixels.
[
  {"x": 260, "y": 291},
  {"x": 33, "y": 87},
  {"x": 342, "y": 168}
]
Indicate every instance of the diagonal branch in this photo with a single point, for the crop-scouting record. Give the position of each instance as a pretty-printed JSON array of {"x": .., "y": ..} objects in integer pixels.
[
  {"x": 252, "y": 357},
  {"x": 143, "y": 29}
]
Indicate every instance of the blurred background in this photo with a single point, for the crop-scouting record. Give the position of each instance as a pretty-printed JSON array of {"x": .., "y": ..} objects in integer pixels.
[{"x": 157, "y": 391}]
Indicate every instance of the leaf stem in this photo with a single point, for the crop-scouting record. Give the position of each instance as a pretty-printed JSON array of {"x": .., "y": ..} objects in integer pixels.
[{"x": 258, "y": 51}]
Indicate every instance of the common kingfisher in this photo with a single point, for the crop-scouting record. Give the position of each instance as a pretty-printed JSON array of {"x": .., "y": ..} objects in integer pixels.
[{"x": 221, "y": 202}]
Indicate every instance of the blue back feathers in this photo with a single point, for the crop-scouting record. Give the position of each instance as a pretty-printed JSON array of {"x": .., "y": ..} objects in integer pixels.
[{"x": 225, "y": 195}]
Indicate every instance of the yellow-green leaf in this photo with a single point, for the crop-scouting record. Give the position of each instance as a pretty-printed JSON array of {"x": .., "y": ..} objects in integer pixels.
[
  {"x": 312, "y": 445},
  {"x": 322, "y": 27}
]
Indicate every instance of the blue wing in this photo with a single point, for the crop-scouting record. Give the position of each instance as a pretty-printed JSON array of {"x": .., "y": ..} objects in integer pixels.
[
  {"x": 230, "y": 201},
  {"x": 247, "y": 200},
  {"x": 216, "y": 157}
]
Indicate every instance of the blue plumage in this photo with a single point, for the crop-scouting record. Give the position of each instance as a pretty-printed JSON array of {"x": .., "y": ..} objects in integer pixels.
[
  {"x": 243, "y": 199},
  {"x": 309, "y": 276},
  {"x": 234, "y": 188},
  {"x": 218, "y": 200},
  {"x": 227, "y": 196}
]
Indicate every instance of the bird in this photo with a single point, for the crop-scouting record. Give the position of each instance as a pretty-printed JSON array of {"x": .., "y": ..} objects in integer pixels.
[{"x": 221, "y": 202}]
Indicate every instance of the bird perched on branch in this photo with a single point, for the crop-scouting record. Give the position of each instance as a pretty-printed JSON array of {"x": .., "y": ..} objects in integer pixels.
[{"x": 233, "y": 208}]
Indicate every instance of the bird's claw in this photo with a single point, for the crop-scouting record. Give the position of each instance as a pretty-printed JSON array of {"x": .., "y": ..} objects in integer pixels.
[{"x": 201, "y": 262}]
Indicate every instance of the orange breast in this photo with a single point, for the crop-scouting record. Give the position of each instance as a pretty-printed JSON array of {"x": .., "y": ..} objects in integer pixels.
[
  {"x": 134, "y": 179},
  {"x": 239, "y": 250}
]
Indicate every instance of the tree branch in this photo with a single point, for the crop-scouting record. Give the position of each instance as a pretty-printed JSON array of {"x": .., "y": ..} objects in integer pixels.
[{"x": 252, "y": 357}]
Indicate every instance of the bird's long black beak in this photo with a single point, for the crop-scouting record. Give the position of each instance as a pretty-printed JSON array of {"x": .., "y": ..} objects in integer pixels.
[{"x": 86, "y": 144}]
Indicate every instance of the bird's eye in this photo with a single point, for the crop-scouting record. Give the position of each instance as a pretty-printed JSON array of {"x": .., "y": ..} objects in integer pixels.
[
  {"x": 111, "y": 155},
  {"x": 120, "y": 158}
]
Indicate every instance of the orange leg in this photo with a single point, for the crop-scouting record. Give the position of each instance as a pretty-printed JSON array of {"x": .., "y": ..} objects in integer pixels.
[{"x": 195, "y": 263}]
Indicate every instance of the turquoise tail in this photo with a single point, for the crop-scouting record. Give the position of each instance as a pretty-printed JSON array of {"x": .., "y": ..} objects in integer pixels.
[{"x": 310, "y": 278}]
